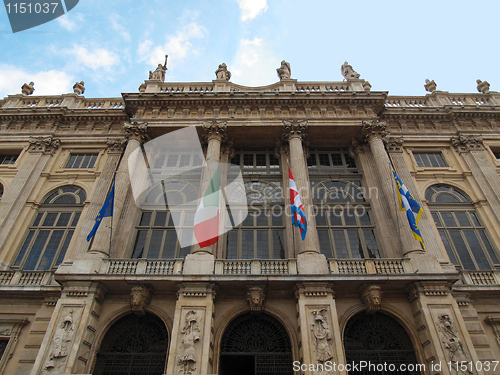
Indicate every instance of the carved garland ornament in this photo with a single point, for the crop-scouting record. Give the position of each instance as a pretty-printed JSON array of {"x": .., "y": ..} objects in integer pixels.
[
  {"x": 465, "y": 143},
  {"x": 45, "y": 145}
]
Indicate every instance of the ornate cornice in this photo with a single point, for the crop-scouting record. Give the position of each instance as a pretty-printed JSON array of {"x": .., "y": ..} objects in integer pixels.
[
  {"x": 137, "y": 131},
  {"x": 44, "y": 145},
  {"x": 294, "y": 129},
  {"x": 466, "y": 143},
  {"x": 215, "y": 130},
  {"x": 374, "y": 129}
]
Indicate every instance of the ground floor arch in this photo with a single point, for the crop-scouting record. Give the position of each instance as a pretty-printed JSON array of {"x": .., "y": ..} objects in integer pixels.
[
  {"x": 378, "y": 339},
  {"x": 255, "y": 344},
  {"x": 133, "y": 345}
]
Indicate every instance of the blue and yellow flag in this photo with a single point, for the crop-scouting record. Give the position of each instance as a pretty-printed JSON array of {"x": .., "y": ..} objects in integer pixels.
[
  {"x": 410, "y": 205},
  {"x": 106, "y": 210}
]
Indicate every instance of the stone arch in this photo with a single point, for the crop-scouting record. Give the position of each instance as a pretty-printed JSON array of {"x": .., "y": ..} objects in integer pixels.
[
  {"x": 130, "y": 344},
  {"x": 253, "y": 341},
  {"x": 378, "y": 338}
]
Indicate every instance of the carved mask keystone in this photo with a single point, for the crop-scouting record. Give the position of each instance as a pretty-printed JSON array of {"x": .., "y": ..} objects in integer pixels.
[
  {"x": 256, "y": 297},
  {"x": 371, "y": 296},
  {"x": 140, "y": 297}
]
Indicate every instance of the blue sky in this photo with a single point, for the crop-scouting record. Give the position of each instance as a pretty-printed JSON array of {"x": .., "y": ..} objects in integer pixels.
[{"x": 396, "y": 45}]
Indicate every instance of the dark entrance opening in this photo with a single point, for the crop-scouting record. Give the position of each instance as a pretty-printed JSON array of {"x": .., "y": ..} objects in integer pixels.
[
  {"x": 256, "y": 344},
  {"x": 379, "y": 339},
  {"x": 134, "y": 345}
]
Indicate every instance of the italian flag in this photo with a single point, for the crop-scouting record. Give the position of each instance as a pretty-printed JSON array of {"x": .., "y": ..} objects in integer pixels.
[{"x": 206, "y": 219}]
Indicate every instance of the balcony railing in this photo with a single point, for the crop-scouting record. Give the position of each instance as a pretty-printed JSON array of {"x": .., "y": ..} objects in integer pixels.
[
  {"x": 25, "y": 278},
  {"x": 481, "y": 277},
  {"x": 141, "y": 267},
  {"x": 370, "y": 266},
  {"x": 256, "y": 267}
]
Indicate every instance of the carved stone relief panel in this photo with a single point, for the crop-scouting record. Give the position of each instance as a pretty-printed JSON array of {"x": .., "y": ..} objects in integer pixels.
[
  {"x": 321, "y": 344},
  {"x": 190, "y": 340},
  {"x": 256, "y": 297}
]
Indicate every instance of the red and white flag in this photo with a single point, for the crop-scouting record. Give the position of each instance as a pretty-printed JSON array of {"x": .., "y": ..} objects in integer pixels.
[
  {"x": 206, "y": 219},
  {"x": 298, "y": 214}
]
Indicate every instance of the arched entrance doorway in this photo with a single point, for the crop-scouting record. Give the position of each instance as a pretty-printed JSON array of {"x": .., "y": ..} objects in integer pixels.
[
  {"x": 134, "y": 345},
  {"x": 378, "y": 338},
  {"x": 255, "y": 344}
]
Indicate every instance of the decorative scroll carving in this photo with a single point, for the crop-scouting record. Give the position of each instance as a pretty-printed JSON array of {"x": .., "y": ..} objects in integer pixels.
[
  {"x": 28, "y": 88},
  {"x": 284, "y": 71},
  {"x": 465, "y": 143},
  {"x": 322, "y": 335},
  {"x": 348, "y": 72},
  {"x": 256, "y": 297},
  {"x": 79, "y": 88},
  {"x": 394, "y": 144},
  {"x": 61, "y": 344},
  {"x": 483, "y": 86},
  {"x": 374, "y": 129},
  {"x": 190, "y": 337},
  {"x": 140, "y": 297},
  {"x": 116, "y": 145},
  {"x": 45, "y": 145},
  {"x": 371, "y": 296},
  {"x": 294, "y": 129},
  {"x": 222, "y": 72},
  {"x": 137, "y": 131},
  {"x": 452, "y": 343},
  {"x": 215, "y": 130},
  {"x": 430, "y": 86}
]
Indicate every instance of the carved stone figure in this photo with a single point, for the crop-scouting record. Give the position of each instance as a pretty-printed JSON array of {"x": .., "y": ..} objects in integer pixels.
[
  {"x": 284, "y": 71},
  {"x": 140, "y": 296},
  {"x": 371, "y": 297},
  {"x": 222, "y": 72},
  {"x": 159, "y": 73},
  {"x": 483, "y": 86},
  {"x": 452, "y": 343},
  {"x": 256, "y": 298},
  {"x": 322, "y": 336},
  {"x": 190, "y": 337},
  {"x": 367, "y": 86},
  {"x": 348, "y": 72},
  {"x": 28, "y": 88},
  {"x": 430, "y": 86},
  {"x": 61, "y": 345},
  {"x": 79, "y": 88}
]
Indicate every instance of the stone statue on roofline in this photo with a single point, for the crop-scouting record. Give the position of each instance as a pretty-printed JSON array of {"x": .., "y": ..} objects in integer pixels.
[
  {"x": 159, "y": 73},
  {"x": 28, "y": 88},
  {"x": 79, "y": 88},
  {"x": 483, "y": 86},
  {"x": 430, "y": 86},
  {"x": 222, "y": 72},
  {"x": 348, "y": 72},
  {"x": 284, "y": 71}
]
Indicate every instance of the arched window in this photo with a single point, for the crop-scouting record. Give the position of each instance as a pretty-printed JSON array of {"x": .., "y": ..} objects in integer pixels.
[
  {"x": 460, "y": 228},
  {"x": 343, "y": 217},
  {"x": 378, "y": 339},
  {"x": 255, "y": 344},
  {"x": 134, "y": 345},
  {"x": 50, "y": 233}
]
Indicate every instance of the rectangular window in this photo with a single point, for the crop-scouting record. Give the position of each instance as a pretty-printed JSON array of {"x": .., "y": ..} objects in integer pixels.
[
  {"x": 81, "y": 161},
  {"x": 497, "y": 155},
  {"x": 430, "y": 159},
  {"x": 331, "y": 162},
  {"x": 8, "y": 159}
]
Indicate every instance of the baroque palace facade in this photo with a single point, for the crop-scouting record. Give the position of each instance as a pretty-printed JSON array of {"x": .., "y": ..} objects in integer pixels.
[{"x": 261, "y": 300}]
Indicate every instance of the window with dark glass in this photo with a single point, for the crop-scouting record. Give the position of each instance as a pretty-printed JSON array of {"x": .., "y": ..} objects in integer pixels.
[
  {"x": 343, "y": 217},
  {"x": 460, "y": 228},
  {"x": 3, "y": 346},
  {"x": 430, "y": 159},
  {"x": 1, "y": 191},
  {"x": 8, "y": 159},
  {"x": 52, "y": 229},
  {"x": 81, "y": 161},
  {"x": 497, "y": 155}
]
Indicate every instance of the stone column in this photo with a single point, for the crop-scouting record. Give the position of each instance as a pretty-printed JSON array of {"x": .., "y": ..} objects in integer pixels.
[
  {"x": 472, "y": 150},
  {"x": 40, "y": 150},
  {"x": 191, "y": 344},
  {"x": 227, "y": 155},
  {"x": 309, "y": 258},
  {"x": 70, "y": 334},
  {"x": 282, "y": 152},
  {"x": 201, "y": 261},
  {"x": 395, "y": 150},
  {"x": 441, "y": 328},
  {"x": 318, "y": 326}
]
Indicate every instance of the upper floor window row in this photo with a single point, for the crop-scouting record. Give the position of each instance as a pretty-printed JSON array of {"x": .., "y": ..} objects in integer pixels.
[
  {"x": 331, "y": 162},
  {"x": 430, "y": 159},
  {"x": 81, "y": 161}
]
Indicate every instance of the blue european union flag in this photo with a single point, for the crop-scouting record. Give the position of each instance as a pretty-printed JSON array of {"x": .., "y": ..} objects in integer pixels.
[{"x": 106, "y": 210}]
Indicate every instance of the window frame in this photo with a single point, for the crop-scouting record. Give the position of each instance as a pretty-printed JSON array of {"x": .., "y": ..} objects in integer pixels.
[
  {"x": 80, "y": 153},
  {"x": 427, "y": 154}
]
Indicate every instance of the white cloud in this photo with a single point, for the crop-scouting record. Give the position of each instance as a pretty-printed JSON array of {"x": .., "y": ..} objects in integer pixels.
[
  {"x": 71, "y": 21},
  {"x": 254, "y": 63},
  {"x": 178, "y": 46},
  {"x": 119, "y": 28},
  {"x": 251, "y": 8},
  {"x": 98, "y": 58},
  {"x": 50, "y": 82}
]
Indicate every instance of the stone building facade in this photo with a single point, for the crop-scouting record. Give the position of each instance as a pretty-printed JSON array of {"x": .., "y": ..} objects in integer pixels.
[{"x": 260, "y": 300}]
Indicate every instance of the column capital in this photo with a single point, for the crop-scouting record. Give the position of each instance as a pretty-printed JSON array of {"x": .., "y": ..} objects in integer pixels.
[
  {"x": 294, "y": 129},
  {"x": 116, "y": 145},
  {"x": 228, "y": 148},
  {"x": 137, "y": 131},
  {"x": 466, "y": 143},
  {"x": 394, "y": 144},
  {"x": 374, "y": 129},
  {"x": 281, "y": 148},
  {"x": 358, "y": 146},
  {"x": 45, "y": 145},
  {"x": 215, "y": 130}
]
